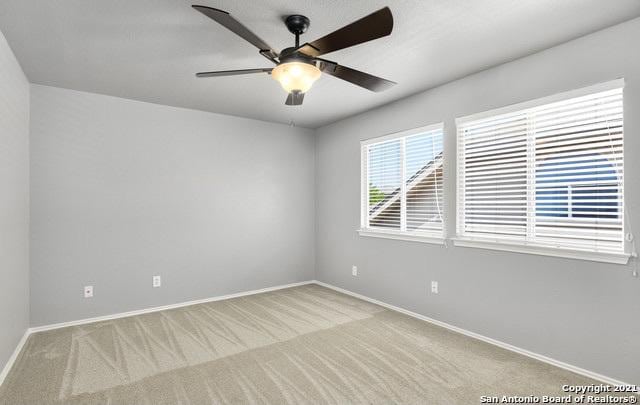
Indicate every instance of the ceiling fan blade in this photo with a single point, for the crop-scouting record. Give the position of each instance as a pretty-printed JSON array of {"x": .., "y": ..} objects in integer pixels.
[
  {"x": 373, "y": 26},
  {"x": 362, "y": 79},
  {"x": 233, "y": 72},
  {"x": 225, "y": 19},
  {"x": 295, "y": 98}
]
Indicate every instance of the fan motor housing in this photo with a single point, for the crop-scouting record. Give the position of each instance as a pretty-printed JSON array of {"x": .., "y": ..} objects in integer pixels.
[{"x": 290, "y": 55}]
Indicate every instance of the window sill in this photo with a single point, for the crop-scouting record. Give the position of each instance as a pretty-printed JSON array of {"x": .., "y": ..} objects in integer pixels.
[
  {"x": 402, "y": 236},
  {"x": 615, "y": 258}
]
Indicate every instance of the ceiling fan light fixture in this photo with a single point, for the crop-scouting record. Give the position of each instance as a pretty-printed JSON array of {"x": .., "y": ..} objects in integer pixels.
[
  {"x": 299, "y": 66},
  {"x": 296, "y": 76}
]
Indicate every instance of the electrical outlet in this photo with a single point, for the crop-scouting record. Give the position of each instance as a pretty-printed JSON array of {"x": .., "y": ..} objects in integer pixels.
[
  {"x": 157, "y": 281},
  {"x": 88, "y": 291},
  {"x": 354, "y": 271},
  {"x": 434, "y": 287}
]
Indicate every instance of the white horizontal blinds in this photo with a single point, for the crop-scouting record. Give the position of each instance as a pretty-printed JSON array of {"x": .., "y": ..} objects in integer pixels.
[
  {"x": 384, "y": 180},
  {"x": 550, "y": 175},
  {"x": 423, "y": 179},
  {"x": 494, "y": 176},
  {"x": 404, "y": 183},
  {"x": 579, "y": 172}
]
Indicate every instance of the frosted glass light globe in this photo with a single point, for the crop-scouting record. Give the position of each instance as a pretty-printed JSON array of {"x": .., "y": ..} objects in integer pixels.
[{"x": 296, "y": 76}]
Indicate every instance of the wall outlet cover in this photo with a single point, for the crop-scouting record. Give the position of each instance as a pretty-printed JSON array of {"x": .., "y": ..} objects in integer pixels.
[
  {"x": 157, "y": 281},
  {"x": 354, "y": 271},
  {"x": 88, "y": 291}
]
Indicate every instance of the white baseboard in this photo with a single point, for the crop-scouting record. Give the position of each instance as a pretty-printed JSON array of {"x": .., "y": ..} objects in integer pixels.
[
  {"x": 507, "y": 346},
  {"x": 14, "y": 356},
  {"x": 557, "y": 363},
  {"x": 43, "y": 328},
  {"x": 162, "y": 308}
]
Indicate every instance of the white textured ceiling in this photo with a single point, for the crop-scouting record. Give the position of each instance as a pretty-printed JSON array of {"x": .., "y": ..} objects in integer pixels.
[{"x": 149, "y": 50}]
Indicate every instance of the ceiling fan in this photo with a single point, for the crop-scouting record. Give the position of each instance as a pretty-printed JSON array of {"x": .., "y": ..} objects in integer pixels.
[{"x": 298, "y": 67}]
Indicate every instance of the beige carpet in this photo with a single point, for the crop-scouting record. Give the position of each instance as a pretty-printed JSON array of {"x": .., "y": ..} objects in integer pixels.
[{"x": 300, "y": 345}]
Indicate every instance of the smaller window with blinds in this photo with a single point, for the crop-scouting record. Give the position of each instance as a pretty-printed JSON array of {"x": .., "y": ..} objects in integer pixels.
[
  {"x": 402, "y": 185},
  {"x": 546, "y": 175}
]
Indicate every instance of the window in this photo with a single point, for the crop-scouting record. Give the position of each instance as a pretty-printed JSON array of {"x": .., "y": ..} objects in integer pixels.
[
  {"x": 547, "y": 176},
  {"x": 402, "y": 185}
]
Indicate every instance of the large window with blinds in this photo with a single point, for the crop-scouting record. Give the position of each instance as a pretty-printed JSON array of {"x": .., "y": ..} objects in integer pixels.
[
  {"x": 546, "y": 175},
  {"x": 402, "y": 185}
]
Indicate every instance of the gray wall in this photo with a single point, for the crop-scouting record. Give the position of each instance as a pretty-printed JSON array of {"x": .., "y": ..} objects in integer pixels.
[
  {"x": 580, "y": 312},
  {"x": 123, "y": 190},
  {"x": 14, "y": 202}
]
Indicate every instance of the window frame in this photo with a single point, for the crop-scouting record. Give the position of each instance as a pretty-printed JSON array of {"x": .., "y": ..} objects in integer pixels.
[
  {"x": 528, "y": 246},
  {"x": 410, "y": 236}
]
